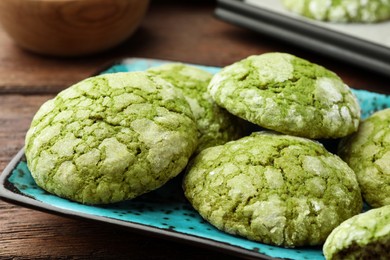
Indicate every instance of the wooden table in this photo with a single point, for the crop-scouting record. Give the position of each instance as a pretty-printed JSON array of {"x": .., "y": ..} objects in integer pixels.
[{"x": 172, "y": 30}]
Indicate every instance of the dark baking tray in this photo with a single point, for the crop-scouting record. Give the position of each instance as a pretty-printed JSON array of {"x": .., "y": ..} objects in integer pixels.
[{"x": 300, "y": 32}]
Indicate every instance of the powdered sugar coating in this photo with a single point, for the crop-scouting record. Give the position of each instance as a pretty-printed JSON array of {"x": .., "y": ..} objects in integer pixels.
[
  {"x": 110, "y": 138},
  {"x": 287, "y": 94},
  {"x": 368, "y": 153},
  {"x": 276, "y": 189},
  {"x": 364, "y": 236},
  {"x": 215, "y": 125}
]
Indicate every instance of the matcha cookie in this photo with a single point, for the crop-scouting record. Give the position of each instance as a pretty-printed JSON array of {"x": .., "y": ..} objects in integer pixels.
[
  {"x": 110, "y": 138},
  {"x": 368, "y": 153},
  {"x": 287, "y": 94},
  {"x": 215, "y": 125},
  {"x": 276, "y": 189},
  {"x": 368, "y": 11},
  {"x": 364, "y": 236}
]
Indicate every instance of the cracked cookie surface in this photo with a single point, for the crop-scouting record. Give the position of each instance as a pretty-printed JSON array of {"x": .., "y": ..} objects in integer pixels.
[
  {"x": 368, "y": 153},
  {"x": 110, "y": 138},
  {"x": 215, "y": 125},
  {"x": 276, "y": 189},
  {"x": 346, "y": 11},
  {"x": 284, "y": 93},
  {"x": 364, "y": 236}
]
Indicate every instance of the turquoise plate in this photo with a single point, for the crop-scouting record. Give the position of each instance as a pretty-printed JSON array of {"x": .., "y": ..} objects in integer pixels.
[{"x": 164, "y": 212}]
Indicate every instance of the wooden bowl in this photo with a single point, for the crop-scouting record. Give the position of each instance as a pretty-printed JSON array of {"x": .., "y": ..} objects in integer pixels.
[{"x": 70, "y": 27}]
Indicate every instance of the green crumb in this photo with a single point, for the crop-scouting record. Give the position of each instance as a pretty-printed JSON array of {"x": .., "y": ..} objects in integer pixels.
[
  {"x": 284, "y": 93},
  {"x": 215, "y": 125},
  {"x": 275, "y": 189},
  {"x": 110, "y": 138}
]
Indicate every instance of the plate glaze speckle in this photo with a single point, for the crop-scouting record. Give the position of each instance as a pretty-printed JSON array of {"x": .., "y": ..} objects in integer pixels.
[{"x": 165, "y": 211}]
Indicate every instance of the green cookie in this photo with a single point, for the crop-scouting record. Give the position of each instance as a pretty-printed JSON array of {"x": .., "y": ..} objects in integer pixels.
[
  {"x": 276, "y": 189},
  {"x": 345, "y": 11},
  {"x": 215, "y": 125},
  {"x": 287, "y": 94},
  {"x": 110, "y": 138},
  {"x": 364, "y": 236},
  {"x": 368, "y": 153}
]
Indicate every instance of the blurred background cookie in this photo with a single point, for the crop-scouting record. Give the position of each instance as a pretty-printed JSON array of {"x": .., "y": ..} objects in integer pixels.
[{"x": 345, "y": 11}]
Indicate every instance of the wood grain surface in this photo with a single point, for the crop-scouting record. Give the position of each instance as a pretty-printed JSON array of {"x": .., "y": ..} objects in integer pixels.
[{"x": 174, "y": 30}]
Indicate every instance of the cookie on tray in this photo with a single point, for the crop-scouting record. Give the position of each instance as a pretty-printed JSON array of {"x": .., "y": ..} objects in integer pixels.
[
  {"x": 347, "y": 11},
  {"x": 364, "y": 236},
  {"x": 368, "y": 153},
  {"x": 215, "y": 125},
  {"x": 110, "y": 138},
  {"x": 276, "y": 189},
  {"x": 284, "y": 93}
]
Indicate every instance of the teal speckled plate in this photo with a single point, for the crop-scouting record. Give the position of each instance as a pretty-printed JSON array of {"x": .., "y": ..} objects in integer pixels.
[{"x": 164, "y": 212}]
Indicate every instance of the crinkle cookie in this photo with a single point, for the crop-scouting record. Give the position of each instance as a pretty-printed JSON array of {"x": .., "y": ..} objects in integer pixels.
[
  {"x": 276, "y": 189},
  {"x": 287, "y": 94},
  {"x": 364, "y": 236},
  {"x": 368, "y": 153},
  {"x": 215, "y": 125},
  {"x": 345, "y": 11},
  {"x": 111, "y": 138}
]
